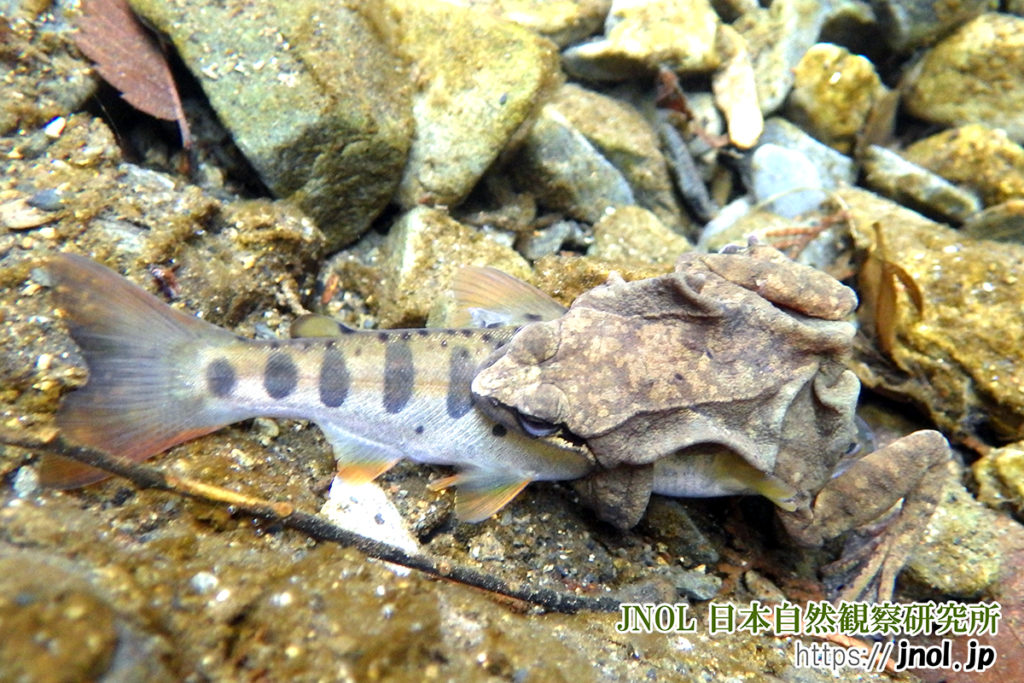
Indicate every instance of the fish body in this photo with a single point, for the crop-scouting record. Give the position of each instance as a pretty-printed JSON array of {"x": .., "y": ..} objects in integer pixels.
[{"x": 159, "y": 377}]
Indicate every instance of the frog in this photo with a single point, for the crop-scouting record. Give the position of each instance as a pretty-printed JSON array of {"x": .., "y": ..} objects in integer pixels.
[{"x": 728, "y": 375}]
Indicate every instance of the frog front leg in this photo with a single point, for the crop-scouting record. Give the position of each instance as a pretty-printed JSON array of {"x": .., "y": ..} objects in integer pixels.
[{"x": 909, "y": 470}]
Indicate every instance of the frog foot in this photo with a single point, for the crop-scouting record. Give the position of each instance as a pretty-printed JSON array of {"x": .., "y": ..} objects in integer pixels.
[{"x": 886, "y": 500}]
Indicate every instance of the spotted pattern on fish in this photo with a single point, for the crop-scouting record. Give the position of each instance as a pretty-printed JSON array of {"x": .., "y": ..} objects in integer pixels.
[
  {"x": 334, "y": 378},
  {"x": 280, "y": 375},
  {"x": 399, "y": 376},
  {"x": 461, "y": 369},
  {"x": 220, "y": 378}
]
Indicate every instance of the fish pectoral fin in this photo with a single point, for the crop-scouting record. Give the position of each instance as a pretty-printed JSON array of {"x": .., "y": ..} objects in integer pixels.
[
  {"x": 359, "y": 460},
  {"x": 488, "y": 297},
  {"x": 481, "y": 493},
  {"x": 312, "y": 325}
]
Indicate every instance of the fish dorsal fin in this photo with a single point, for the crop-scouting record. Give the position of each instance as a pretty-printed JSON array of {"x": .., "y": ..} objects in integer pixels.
[
  {"x": 481, "y": 493},
  {"x": 359, "y": 460},
  {"x": 312, "y": 325},
  {"x": 488, "y": 297}
]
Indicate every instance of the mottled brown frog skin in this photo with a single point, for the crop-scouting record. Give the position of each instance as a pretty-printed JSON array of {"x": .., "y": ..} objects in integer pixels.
[{"x": 725, "y": 376}]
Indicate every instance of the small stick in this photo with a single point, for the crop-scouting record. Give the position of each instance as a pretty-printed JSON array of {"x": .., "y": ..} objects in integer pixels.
[{"x": 147, "y": 477}]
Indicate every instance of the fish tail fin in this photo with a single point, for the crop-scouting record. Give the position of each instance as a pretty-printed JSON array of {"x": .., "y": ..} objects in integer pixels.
[
  {"x": 141, "y": 397},
  {"x": 481, "y": 493}
]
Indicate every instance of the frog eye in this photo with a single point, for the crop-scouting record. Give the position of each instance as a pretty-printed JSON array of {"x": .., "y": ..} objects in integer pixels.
[{"x": 535, "y": 427}]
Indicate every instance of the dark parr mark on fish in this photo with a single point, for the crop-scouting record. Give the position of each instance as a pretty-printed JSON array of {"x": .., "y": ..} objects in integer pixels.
[
  {"x": 220, "y": 378},
  {"x": 399, "y": 376},
  {"x": 460, "y": 375},
  {"x": 280, "y": 375},
  {"x": 334, "y": 379}
]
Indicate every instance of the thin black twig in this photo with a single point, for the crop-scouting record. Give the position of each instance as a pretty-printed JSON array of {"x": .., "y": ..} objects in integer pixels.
[{"x": 147, "y": 477}]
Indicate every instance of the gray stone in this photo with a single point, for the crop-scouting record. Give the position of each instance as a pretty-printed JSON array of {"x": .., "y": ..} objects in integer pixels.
[
  {"x": 834, "y": 168},
  {"x": 920, "y": 189},
  {"x": 566, "y": 172},
  {"x": 311, "y": 95},
  {"x": 912, "y": 23},
  {"x": 976, "y": 75},
  {"x": 624, "y": 137},
  {"x": 479, "y": 79},
  {"x": 785, "y": 180}
]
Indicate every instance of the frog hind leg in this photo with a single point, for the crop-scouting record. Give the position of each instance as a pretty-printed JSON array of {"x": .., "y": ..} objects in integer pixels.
[{"x": 886, "y": 499}]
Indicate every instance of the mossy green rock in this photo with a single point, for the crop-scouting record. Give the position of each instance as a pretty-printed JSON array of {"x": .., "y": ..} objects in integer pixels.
[{"x": 311, "y": 94}]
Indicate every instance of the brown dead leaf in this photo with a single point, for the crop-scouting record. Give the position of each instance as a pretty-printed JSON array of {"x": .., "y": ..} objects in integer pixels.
[{"x": 130, "y": 59}]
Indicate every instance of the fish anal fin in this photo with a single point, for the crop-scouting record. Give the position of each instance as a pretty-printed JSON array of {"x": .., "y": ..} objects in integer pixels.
[
  {"x": 359, "y": 460},
  {"x": 488, "y": 297},
  {"x": 481, "y": 493},
  {"x": 363, "y": 472}
]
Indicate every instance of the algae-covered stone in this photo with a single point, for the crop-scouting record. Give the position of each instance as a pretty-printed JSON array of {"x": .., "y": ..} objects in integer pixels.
[
  {"x": 310, "y": 93},
  {"x": 52, "y": 620},
  {"x": 42, "y": 75},
  {"x": 833, "y": 94},
  {"x": 566, "y": 172},
  {"x": 976, "y": 75},
  {"x": 630, "y": 234},
  {"x": 959, "y": 552},
  {"x": 777, "y": 37},
  {"x": 561, "y": 21},
  {"x": 983, "y": 159},
  {"x": 959, "y": 354},
  {"x": 1000, "y": 476},
  {"x": 623, "y": 137},
  {"x": 478, "y": 79},
  {"x": 424, "y": 248},
  {"x": 640, "y": 35}
]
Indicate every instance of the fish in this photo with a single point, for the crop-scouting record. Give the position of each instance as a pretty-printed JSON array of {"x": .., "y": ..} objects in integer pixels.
[{"x": 159, "y": 377}]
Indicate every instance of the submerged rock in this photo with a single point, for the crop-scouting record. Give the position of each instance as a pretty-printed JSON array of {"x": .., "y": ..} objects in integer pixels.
[
  {"x": 311, "y": 94},
  {"x": 630, "y": 234},
  {"x": 566, "y": 172},
  {"x": 561, "y": 21},
  {"x": 959, "y": 353},
  {"x": 977, "y": 157},
  {"x": 640, "y": 35},
  {"x": 624, "y": 137},
  {"x": 976, "y": 75},
  {"x": 912, "y": 23},
  {"x": 833, "y": 93},
  {"x": 1000, "y": 477},
  {"x": 478, "y": 80},
  {"x": 777, "y": 38},
  {"x": 423, "y": 250},
  {"x": 906, "y": 182}
]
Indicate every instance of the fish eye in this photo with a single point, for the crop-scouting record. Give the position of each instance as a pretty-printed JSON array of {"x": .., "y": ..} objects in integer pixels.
[{"x": 535, "y": 427}]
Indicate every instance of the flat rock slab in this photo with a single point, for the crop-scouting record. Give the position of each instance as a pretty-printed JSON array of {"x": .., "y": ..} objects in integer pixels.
[{"x": 310, "y": 93}]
